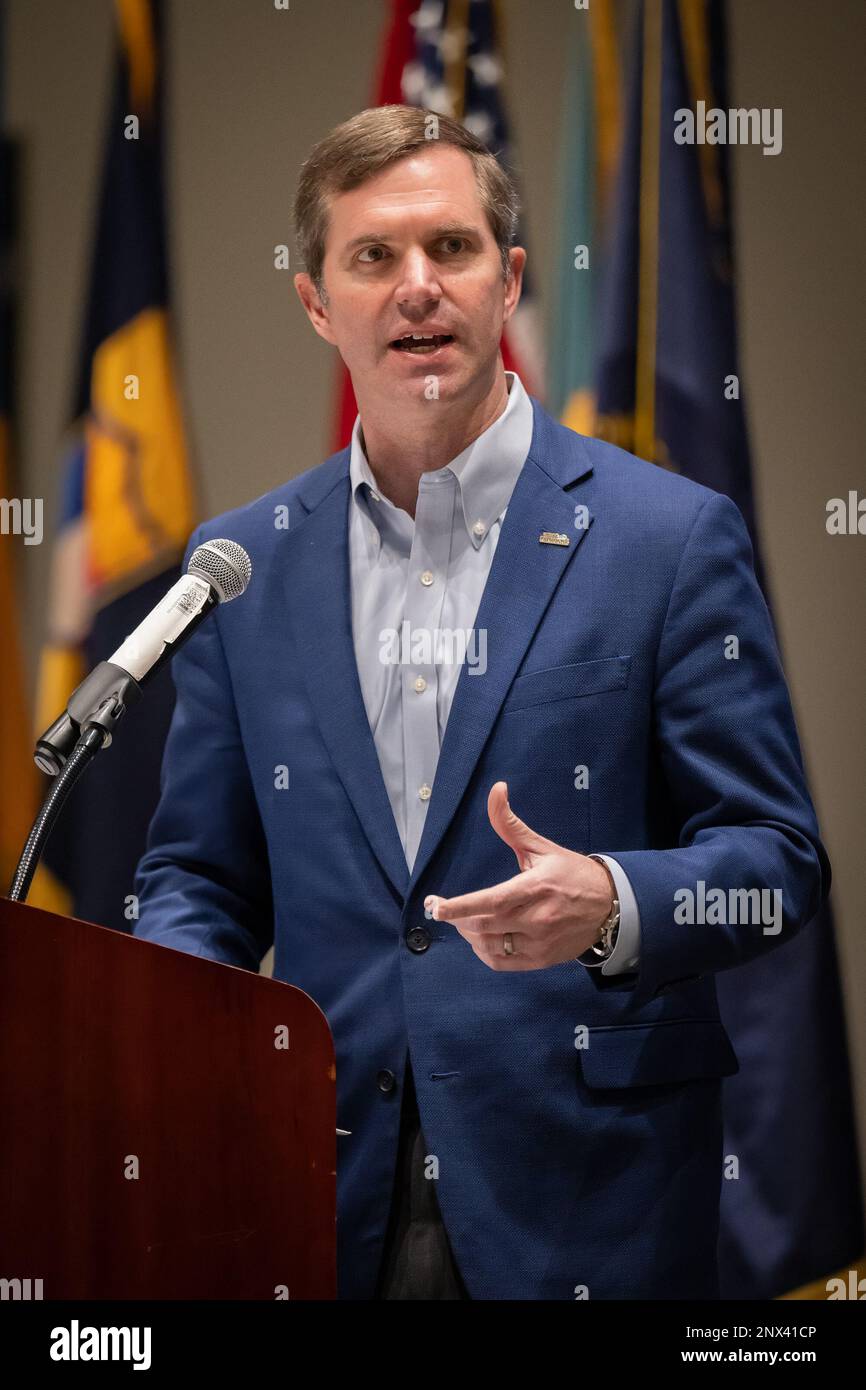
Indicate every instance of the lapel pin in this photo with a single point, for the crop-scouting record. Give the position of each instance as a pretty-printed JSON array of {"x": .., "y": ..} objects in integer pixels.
[{"x": 554, "y": 538}]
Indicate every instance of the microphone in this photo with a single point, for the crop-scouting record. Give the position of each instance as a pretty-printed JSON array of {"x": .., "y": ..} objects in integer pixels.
[{"x": 218, "y": 572}]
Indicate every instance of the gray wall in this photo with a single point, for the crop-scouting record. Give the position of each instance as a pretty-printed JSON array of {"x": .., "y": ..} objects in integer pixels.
[{"x": 251, "y": 89}]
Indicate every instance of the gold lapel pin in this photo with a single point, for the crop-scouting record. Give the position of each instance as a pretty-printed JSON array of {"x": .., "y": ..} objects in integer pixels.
[{"x": 554, "y": 538}]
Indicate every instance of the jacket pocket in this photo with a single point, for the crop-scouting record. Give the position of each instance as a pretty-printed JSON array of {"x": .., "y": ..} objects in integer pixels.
[
  {"x": 567, "y": 682},
  {"x": 653, "y": 1054}
]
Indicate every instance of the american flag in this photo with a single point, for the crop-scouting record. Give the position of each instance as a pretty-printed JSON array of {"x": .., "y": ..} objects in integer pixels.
[{"x": 447, "y": 56}]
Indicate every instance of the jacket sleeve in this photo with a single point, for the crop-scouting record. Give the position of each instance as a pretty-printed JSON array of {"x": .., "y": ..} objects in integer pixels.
[
  {"x": 203, "y": 883},
  {"x": 733, "y": 769}
]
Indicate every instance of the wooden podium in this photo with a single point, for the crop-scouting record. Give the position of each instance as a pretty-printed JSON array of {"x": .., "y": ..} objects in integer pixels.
[{"x": 159, "y": 1139}]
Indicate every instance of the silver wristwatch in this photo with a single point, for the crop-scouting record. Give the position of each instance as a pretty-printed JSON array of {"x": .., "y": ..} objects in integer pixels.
[{"x": 610, "y": 926}]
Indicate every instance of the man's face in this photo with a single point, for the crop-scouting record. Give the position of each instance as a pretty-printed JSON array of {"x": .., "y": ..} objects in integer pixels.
[{"x": 411, "y": 251}]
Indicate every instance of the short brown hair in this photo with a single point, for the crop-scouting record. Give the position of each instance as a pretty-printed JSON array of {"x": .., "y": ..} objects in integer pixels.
[{"x": 367, "y": 143}]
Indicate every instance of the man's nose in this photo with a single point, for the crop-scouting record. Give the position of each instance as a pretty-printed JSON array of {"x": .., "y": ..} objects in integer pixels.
[{"x": 420, "y": 279}]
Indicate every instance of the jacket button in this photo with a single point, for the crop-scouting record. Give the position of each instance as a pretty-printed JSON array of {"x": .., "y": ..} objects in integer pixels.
[
  {"x": 418, "y": 939},
  {"x": 386, "y": 1080}
]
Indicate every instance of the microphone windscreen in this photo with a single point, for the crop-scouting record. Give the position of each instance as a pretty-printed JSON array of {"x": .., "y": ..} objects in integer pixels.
[{"x": 225, "y": 565}]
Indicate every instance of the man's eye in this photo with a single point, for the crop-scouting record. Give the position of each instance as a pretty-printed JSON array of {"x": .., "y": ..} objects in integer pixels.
[{"x": 372, "y": 255}]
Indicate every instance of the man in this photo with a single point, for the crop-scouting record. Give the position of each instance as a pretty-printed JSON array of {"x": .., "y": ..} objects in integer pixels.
[{"x": 483, "y": 649}]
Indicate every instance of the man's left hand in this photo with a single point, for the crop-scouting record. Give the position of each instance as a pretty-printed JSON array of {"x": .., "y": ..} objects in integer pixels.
[{"x": 554, "y": 907}]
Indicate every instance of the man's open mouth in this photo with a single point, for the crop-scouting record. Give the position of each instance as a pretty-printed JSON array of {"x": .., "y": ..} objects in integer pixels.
[{"x": 421, "y": 342}]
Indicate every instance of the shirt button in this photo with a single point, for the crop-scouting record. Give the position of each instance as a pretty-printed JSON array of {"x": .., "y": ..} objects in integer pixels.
[
  {"x": 478, "y": 528},
  {"x": 420, "y": 684},
  {"x": 375, "y": 496},
  {"x": 424, "y": 792},
  {"x": 427, "y": 578},
  {"x": 385, "y": 1080}
]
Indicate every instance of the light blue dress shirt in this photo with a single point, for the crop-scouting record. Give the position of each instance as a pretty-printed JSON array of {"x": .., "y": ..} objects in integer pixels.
[{"x": 416, "y": 586}]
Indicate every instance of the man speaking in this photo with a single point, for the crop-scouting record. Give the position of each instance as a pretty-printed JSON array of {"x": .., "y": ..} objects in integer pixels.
[{"x": 498, "y": 753}]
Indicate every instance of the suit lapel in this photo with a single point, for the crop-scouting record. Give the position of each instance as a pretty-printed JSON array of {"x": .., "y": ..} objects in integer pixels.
[
  {"x": 522, "y": 578},
  {"x": 318, "y": 593}
]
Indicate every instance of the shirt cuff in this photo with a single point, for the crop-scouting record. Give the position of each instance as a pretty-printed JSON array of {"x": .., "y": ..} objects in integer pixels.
[{"x": 625, "y": 957}]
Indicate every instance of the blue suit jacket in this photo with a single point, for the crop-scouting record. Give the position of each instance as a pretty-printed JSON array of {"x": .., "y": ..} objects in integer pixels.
[{"x": 562, "y": 1167}]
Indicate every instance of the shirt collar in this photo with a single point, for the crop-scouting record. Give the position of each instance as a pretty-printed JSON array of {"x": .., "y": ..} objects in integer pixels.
[{"x": 486, "y": 471}]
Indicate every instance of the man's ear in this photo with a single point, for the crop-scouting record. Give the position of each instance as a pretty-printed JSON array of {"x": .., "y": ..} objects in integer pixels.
[
  {"x": 514, "y": 283},
  {"x": 316, "y": 311}
]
